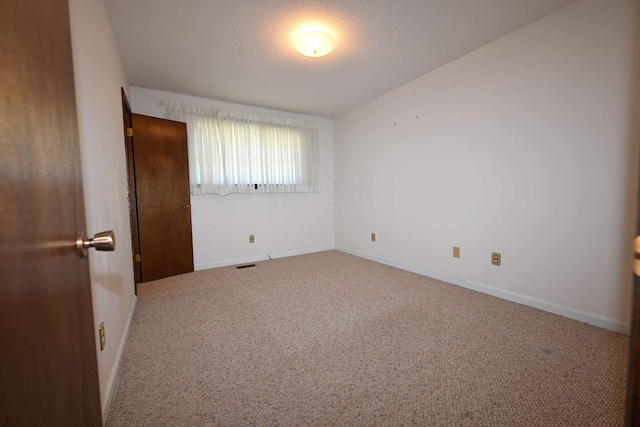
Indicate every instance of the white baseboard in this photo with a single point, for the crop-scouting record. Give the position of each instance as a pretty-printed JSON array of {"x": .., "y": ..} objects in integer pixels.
[
  {"x": 115, "y": 372},
  {"x": 257, "y": 258},
  {"x": 571, "y": 313}
]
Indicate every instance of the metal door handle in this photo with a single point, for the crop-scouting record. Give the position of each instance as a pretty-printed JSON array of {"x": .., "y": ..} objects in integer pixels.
[
  {"x": 187, "y": 206},
  {"x": 105, "y": 241}
]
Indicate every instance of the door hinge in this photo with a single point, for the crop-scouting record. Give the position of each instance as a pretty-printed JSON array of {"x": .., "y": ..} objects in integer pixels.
[
  {"x": 137, "y": 258},
  {"x": 129, "y": 131},
  {"x": 636, "y": 256}
]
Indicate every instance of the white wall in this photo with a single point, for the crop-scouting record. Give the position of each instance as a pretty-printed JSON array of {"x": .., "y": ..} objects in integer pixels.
[
  {"x": 283, "y": 224},
  {"x": 99, "y": 76},
  {"x": 526, "y": 146}
]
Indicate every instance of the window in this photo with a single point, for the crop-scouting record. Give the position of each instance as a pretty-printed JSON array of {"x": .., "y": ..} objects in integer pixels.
[{"x": 236, "y": 152}]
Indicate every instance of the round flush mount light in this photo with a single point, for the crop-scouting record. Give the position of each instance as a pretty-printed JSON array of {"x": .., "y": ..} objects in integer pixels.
[{"x": 315, "y": 44}]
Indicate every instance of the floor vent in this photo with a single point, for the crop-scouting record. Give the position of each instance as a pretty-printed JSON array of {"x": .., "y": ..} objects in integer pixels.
[{"x": 245, "y": 266}]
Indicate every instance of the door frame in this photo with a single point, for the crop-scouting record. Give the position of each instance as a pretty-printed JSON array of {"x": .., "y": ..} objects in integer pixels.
[
  {"x": 131, "y": 189},
  {"x": 633, "y": 379}
]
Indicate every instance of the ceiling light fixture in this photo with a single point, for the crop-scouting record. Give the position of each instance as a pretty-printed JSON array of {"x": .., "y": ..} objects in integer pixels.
[{"x": 315, "y": 44}]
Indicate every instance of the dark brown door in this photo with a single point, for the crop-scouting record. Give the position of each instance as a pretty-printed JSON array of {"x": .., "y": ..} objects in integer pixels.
[
  {"x": 633, "y": 386},
  {"x": 162, "y": 193},
  {"x": 48, "y": 368}
]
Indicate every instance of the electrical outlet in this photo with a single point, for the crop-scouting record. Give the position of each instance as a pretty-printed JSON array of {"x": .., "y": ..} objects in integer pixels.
[
  {"x": 252, "y": 238},
  {"x": 496, "y": 258},
  {"x": 456, "y": 252},
  {"x": 103, "y": 338},
  {"x": 373, "y": 237}
]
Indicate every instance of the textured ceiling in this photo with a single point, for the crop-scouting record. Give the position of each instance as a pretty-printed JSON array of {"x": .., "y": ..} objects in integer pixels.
[{"x": 241, "y": 50}]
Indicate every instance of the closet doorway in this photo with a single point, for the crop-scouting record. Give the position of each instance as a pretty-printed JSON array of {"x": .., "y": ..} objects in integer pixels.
[{"x": 159, "y": 197}]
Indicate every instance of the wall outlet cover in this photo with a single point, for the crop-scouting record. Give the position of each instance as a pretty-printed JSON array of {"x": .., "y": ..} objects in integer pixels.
[{"x": 496, "y": 258}]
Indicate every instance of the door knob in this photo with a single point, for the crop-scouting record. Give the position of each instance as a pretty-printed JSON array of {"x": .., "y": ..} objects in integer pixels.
[
  {"x": 187, "y": 206},
  {"x": 105, "y": 241}
]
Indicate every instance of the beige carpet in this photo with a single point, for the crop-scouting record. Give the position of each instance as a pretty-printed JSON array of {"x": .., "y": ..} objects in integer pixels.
[{"x": 332, "y": 339}]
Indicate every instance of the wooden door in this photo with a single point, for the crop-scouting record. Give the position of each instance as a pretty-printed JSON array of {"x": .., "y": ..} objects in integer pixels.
[
  {"x": 163, "y": 198},
  {"x": 633, "y": 386},
  {"x": 48, "y": 367}
]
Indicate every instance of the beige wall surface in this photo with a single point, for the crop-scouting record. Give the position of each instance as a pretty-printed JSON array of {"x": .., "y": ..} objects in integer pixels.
[
  {"x": 527, "y": 147},
  {"x": 99, "y": 76}
]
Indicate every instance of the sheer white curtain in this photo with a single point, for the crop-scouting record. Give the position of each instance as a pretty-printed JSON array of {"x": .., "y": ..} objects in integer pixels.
[{"x": 236, "y": 152}]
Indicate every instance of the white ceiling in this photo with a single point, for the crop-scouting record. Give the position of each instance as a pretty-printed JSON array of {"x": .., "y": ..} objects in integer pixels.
[{"x": 240, "y": 50}]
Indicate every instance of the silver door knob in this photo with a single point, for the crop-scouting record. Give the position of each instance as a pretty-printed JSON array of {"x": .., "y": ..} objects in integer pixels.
[{"x": 105, "y": 241}]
